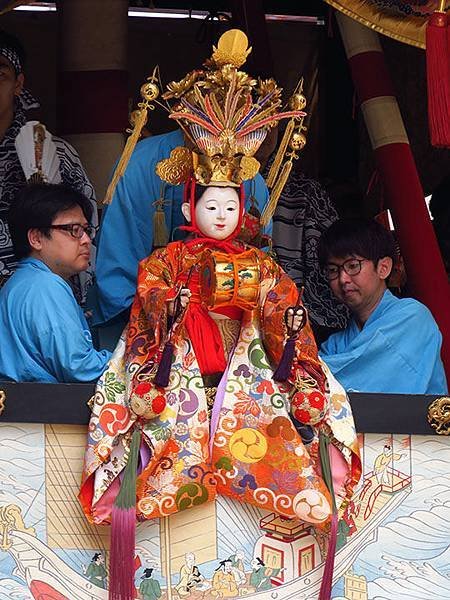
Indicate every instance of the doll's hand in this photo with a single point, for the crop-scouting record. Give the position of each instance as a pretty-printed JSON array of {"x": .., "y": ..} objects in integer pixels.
[
  {"x": 181, "y": 301},
  {"x": 295, "y": 318},
  {"x": 185, "y": 296}
]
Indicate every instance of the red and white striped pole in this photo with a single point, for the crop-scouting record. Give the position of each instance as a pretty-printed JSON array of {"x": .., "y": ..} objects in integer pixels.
[
  {"x": 427, "y": 277},
  {"x": 93, "y": 83}
]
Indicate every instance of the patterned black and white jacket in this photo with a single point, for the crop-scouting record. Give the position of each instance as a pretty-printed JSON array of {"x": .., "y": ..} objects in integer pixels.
[{"x": 12, "y": 179}]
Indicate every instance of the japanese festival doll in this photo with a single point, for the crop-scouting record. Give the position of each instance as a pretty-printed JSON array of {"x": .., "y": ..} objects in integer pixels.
[{"x": 194, "y": 402}]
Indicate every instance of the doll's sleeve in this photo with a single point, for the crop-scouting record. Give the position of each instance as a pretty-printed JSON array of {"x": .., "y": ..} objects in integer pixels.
[
  {"x": 156, "y": 286},
  {"x": 306, "y": 382}
]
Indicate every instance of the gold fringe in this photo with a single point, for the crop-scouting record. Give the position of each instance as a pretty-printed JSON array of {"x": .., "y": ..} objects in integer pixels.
[
  {"x": 409, "y": 30},
  {"x": 160, "y": 231},
  {"x": 141, "y": 120},
  {"x": 276, "y": 193},
  {"x": 274, "y": 169}
]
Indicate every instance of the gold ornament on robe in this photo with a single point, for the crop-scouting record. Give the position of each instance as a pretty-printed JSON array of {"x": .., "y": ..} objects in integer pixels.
[{"x": 230, "y": 279}]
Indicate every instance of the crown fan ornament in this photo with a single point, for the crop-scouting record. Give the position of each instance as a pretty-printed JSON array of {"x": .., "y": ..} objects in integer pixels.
[{"x": 37, "y": 154}]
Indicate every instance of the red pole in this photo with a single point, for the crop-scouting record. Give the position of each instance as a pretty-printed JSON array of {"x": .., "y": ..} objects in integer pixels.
[{"x": 427, "y": 277}]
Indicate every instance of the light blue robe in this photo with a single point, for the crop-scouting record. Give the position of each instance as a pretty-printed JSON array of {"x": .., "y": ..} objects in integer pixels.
[
  {"x": 126, "y": 235},
  {"x": 44, "y": 335},
  {"x": 397, "y": 351}
]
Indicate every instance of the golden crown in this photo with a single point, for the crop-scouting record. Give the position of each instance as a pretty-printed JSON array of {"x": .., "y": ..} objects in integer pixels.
[{"x": 225, "y": 114}]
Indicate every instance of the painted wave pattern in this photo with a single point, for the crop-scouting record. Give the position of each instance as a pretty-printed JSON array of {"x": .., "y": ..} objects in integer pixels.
[{"x": 411, "y": 556}]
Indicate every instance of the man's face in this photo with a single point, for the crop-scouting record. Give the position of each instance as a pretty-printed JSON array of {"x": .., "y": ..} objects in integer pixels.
[
  {"x": 10, "y": 85},
  {"x": 61, "y": 252},
  {"x": 190, "y": 560},
  {"x": 227, "y": 567},
  {"x": 363, "y": 290}
]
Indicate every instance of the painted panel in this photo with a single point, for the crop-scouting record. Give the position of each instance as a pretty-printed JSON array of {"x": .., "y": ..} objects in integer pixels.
[{"x": 393, "y": 540}]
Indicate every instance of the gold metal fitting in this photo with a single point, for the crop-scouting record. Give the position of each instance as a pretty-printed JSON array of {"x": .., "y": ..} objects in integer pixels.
[
  {"x": 149, "y": 91},
  {"x": 297, "y": 101},
  {"x": 439, "y": 415},
  {"x": 2, "y": 401},
  {"x": 298, "y": 141}
]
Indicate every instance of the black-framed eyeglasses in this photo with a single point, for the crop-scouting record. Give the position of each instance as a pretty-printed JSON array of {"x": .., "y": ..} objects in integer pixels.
[
  {"x": 77, "y": 230},
  {"x": 352, "y": 266}
]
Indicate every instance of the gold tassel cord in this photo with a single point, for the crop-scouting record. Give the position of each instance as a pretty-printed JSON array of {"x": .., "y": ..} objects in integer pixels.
[
  {"x": 295, "y": 139},
  {"x": 126, "y": 155},
  {"x": 276, "y": 193},
  {"x": 276, "y": 165},
  {"x": 149, "y": 93},
  {"x": 160, "y": 231}
]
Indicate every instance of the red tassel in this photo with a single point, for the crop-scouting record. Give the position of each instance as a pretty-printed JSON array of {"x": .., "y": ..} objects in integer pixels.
[
  {"x": 438, "y": 78},
  {"x": 165, "y": 364},
  {"x": 284, "y": 368},
  {"x": 121, "y": 563}
]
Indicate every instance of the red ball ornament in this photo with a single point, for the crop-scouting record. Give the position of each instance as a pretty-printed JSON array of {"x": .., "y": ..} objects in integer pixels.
[
  {"x": 298, "y": 399},
  {"x": 158, "y": 404},
  {"x": 317, "y": 400}
]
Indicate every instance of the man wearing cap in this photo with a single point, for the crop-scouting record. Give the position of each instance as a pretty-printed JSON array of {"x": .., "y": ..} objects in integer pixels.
[{"x": 15, "y": 101}]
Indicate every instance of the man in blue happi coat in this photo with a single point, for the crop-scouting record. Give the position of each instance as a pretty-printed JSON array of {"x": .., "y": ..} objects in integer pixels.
[
  {"x": 390, "y": 345},
  {"x": 126, "y": 235},
  {"x": 44, "y": 335}
]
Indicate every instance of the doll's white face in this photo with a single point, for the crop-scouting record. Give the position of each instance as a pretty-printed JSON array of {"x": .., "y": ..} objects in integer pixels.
[{"x": 216, "y": 212}]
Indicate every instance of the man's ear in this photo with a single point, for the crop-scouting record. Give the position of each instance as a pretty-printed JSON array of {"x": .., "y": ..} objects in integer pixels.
[
  {"x": 384, "y": 267},
  {"x": 35, "y": 239},
  {"x": 20, "y": 79},
  {"x": 186, "y": 210}
]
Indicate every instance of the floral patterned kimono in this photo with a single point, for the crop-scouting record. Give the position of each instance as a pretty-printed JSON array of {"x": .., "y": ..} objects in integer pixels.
[{"x": 247, "y": 447}]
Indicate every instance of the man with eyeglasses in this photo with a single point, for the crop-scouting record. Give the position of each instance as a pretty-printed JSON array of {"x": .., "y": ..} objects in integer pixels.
[
  {"x": 390, "y": 344},
  {"x": 44, "y": 335}
]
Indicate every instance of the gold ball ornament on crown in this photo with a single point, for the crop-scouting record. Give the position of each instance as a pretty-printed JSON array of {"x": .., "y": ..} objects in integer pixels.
[
  {"x": 149, "y": 91},
  {"x": 297, "y": 141},
  {"x": 297, "y": 102},
  {"x": 136, "y": 115}
]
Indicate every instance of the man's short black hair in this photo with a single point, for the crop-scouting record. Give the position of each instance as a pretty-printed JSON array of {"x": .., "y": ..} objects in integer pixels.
[
  {"x": 36, "y": 206},
  {"x": 356, "y": 237},
  {"x": 7, "y": 40}
]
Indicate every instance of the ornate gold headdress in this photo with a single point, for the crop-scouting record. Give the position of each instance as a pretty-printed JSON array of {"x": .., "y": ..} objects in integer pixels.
[{"x": 225, "y": 114}]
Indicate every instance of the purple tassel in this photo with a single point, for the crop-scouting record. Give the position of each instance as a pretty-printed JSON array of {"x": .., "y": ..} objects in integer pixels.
[
  {"x": 165, "y": 364},
  {"x": 121, "y": 563},
  {"x": 284, "y": 368},
  {"x": 327, "y": 578},
  {"x": 123, "y": 529}
]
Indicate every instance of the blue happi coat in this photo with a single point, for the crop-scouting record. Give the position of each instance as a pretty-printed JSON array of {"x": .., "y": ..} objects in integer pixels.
[
  {"x": 44, "y": 335},
  {"x": 397, "y": 351}
]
